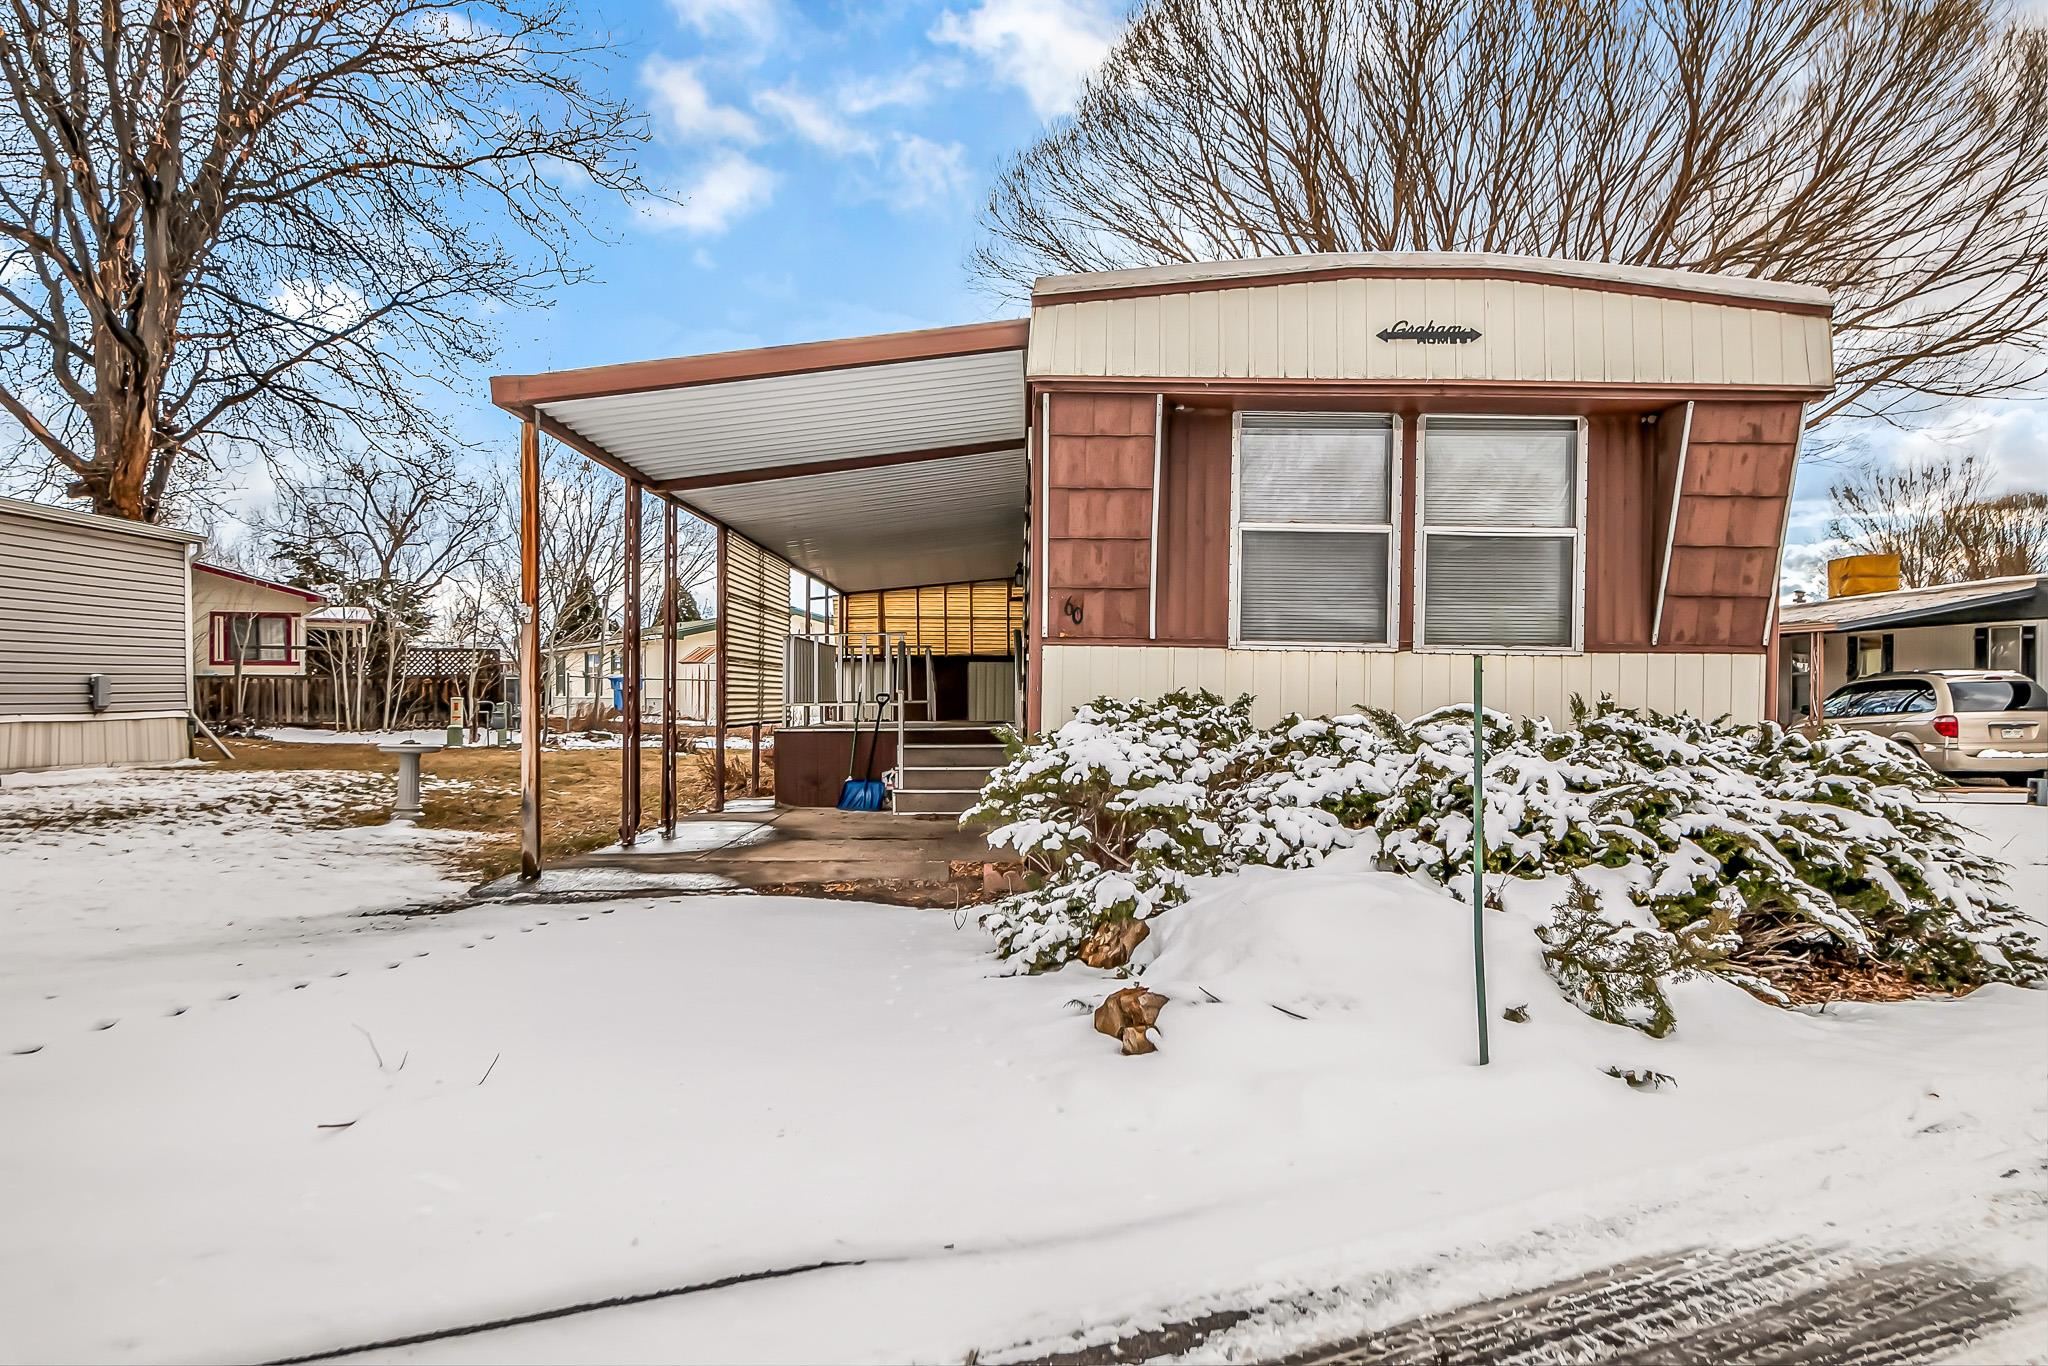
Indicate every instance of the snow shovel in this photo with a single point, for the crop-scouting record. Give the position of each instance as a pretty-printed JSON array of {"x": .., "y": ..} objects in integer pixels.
[{"x": 865, "y": 793}]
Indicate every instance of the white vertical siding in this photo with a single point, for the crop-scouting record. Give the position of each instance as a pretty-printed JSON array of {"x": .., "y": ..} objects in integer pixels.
[
  {"x": 1330, "y": 682},
  {"x": 1325, "y": 329}
]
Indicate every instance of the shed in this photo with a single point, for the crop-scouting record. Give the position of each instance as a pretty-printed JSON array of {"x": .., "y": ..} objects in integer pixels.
[{"x": 85, "y": 598}]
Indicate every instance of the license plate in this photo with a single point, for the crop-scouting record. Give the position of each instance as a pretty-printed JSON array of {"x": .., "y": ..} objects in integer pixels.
[{"x": 2013, "y": 732}]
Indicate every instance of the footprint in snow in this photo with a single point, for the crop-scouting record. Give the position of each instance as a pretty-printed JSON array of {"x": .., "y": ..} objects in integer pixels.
[
  {"x": 300, "y": 986},
  {"x": 24, "y": 1052},
  {"x": 106, "y": 1024},
  {"x": 175, "y": 1011}
]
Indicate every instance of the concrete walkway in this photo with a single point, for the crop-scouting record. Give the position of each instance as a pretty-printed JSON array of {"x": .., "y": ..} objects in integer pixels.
[{"x": 810, "y": 849}]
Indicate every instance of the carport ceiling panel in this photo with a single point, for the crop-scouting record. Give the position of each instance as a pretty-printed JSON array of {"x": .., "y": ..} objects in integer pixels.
[
  {"x": 788, "y": 419},
  {"x": 944, "y": 520}
]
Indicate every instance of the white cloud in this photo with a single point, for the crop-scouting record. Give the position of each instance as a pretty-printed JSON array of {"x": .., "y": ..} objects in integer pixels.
[
  {"x": 927, "y": 172},
  {"x": 686, "y": 107},
  {"x": 813, "y": 122},
  {"x": 727, "y": 189},
  {"x": 324, "y": 303},
  {"x": 754, "y": 18},
  {"x": 909, "y": 87},
  {"x": 1044, "y": 47}
]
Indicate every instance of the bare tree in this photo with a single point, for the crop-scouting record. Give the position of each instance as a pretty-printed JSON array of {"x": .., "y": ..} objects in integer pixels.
[
  {"x": 387, "y": 531},
  {"x": 1894, "y": 154},
  {"x": 1939, "y": 518},
  {"x": 235, "y": 225}
]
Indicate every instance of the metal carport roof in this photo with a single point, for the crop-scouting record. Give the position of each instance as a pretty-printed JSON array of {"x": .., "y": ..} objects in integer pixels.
[{"x": 872, "y": 462}]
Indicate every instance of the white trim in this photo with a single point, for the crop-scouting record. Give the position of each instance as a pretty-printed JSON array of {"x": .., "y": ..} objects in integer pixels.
[
  {"x": 173, "y": 714},
  {"x": 191, "y": 659},
  {"x": 1784, "y": 525},
  {"x": 1671, "y": 522},
  {"x": 1391, "y": 529},
  {"x": 1576, "y": 532},
  {"x": 1044, "y": 517},
  {"x": 1158, "y": 464}
]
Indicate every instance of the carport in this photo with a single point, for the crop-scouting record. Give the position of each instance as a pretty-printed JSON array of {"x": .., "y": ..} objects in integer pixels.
[{"x": 864, "y": 466}]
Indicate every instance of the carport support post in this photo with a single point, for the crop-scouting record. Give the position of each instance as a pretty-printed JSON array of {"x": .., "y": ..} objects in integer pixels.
[
  {"x": 629, "y": 681},
  {"x": 530, "y": 704},
  {"x": 668, "y": 669},
  {"x": 754, "y": 774},
  {"x": 718, "y": 672}
]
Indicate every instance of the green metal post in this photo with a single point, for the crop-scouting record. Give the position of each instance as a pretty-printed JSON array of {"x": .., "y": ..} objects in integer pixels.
[{"x": 1479, "y": 845}]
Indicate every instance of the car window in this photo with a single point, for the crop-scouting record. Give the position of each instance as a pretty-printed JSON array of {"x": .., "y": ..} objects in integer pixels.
[
  {"x": 1998, "y": 694},
  {"x": 1918, "y": 697},
  {"x": 1873, "y": 699}
]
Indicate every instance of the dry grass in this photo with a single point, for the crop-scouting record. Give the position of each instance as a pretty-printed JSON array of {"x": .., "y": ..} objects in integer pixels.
[{"x": 478, "y": 790}]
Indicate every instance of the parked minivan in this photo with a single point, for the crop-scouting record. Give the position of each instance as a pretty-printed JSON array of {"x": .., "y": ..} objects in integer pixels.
[{"x": 1965, "y": 722}]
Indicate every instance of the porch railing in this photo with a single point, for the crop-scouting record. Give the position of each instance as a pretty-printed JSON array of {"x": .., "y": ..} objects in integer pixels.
[{"x": 834, "y": 679}]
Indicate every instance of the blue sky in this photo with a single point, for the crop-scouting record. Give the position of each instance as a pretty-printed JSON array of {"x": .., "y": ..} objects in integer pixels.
[{"x": 829, "y": 158}]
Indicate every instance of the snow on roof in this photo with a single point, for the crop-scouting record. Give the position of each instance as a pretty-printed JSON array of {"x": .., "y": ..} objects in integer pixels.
[
  {"x": 339, "y": 615},
  {"x": 1865, "y": 609},
  {"x": 1595, "y": 273}
]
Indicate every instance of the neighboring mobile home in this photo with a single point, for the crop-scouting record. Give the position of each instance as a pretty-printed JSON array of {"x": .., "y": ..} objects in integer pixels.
[
  {"x": 95, "y": 649},
  {"x": 1982, "y": 624},
  {"x": 248, "y": 625},
  {"x": 1326, "y": 481}
]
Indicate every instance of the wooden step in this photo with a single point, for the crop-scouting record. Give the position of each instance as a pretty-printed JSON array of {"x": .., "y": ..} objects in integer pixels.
[
  {"x": 950, "y": 778},
  {"x": 933, "y": 803},
  {"x": 952, "y": 756},
  {"x": 949, "y": 735}
]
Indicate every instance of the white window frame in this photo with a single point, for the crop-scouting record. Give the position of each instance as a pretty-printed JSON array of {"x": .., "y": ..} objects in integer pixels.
[
  {"x": 1423, "y": 530},
  {"x": 1391, "y": 528}
]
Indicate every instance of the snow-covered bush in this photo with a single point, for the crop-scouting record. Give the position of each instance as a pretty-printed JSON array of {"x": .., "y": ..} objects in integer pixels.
[
  {"x": 1111, "y": 813},
  {"x": 1795, "y": 850}
]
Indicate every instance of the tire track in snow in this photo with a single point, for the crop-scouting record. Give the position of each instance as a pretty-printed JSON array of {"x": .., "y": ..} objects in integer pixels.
[{"x": 1782, "y": 1303}]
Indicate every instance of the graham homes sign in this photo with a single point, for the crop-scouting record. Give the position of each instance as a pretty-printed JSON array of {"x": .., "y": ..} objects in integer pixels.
[{"x": 1429, "y": 333}]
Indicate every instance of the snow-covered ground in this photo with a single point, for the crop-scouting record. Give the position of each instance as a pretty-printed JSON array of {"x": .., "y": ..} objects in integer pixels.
[{"x": 509, "y": 1110}]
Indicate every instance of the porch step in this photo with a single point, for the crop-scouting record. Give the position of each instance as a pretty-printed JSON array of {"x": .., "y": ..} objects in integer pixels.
[
  {"x": 918, "y": 778},
  {"x": 933, "y": 803},
  {"x": 923, "y": 736},
  {"x": 952, "y": 755},
  {"x": 944, "y": 776}
]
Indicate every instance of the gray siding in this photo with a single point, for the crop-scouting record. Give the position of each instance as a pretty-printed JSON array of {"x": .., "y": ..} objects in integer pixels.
[{"x": 79, "y": 597}]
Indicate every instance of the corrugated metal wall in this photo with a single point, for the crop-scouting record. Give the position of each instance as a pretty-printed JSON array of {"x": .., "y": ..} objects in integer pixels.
[
  {"x": 1329, "y": 682},
  {"x": 78, "y": 599},
  {"x": 1326, "y": 330},
  {"x": 948, "y": 619},
  {"x": 755, "y": 617},
  {"x": 992, "y": 690}
]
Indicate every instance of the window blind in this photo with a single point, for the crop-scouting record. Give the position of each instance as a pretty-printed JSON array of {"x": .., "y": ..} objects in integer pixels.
[
  {"x": 1500, "y": 474},
  {"x": 1315, "y": 467},
  {"x": 1313, "y": 586},
  {"x": 1315, "y": 527},
  {"x": 1498, "y": 590},
  {"x": 1500, "y": 507}
]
